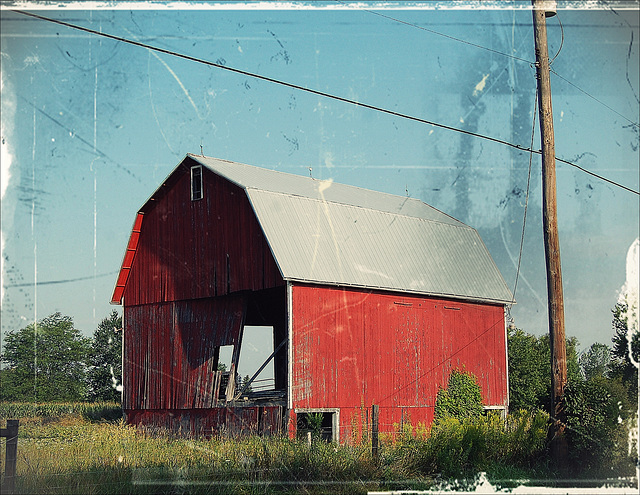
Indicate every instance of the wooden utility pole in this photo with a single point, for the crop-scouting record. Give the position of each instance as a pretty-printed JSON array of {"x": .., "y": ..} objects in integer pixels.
[{"x": 550, "y": 226}]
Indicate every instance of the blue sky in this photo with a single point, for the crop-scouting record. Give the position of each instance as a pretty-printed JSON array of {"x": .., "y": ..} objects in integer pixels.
[{"x": 91, "y": 126}]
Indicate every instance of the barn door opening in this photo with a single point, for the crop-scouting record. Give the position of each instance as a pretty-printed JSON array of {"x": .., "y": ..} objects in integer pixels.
[
  {"x": 263, "y": 357},
  {"x": 256, "y": 366}
]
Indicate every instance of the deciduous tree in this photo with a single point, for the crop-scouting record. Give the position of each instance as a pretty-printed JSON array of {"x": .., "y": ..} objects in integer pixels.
[
  {"x": 105, "y": 370},
  {"x": 530, "y": 369},
  {"x": 626, "y": 351},
  {"x": 595, "y": 361},
  {"x": 45, "y": 361}
]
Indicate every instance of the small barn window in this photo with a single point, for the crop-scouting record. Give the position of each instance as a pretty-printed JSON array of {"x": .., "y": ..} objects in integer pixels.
[
  {"x": 224, "y": 357},
  {"x": 228, "y": 378},
  {"x": 196, "y": 183},
  {"x": 317, "y": 423}
]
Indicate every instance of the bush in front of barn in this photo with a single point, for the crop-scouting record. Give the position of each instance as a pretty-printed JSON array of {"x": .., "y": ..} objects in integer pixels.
[
  {"x": 463, "y": 447},
  {"x": 462, "y": 399},
  {"x": 463, "y": 440}
]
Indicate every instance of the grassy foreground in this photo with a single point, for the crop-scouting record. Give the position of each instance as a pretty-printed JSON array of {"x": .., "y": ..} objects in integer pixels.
[
  {"x": 70, "y": 454},
  {"x": 74, "y": 448}
]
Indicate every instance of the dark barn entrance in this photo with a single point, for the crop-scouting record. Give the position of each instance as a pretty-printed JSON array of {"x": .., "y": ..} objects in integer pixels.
[{"x": 182, "y": 385}]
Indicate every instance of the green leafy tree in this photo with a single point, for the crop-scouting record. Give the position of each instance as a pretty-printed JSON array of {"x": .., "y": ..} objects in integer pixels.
[
  {"x": 597, "y": 365},
  {"x": 595, "y": 431},
  {"x": 105, "y": 370},
  {"x": 626, "y": 351},
  {"x": 595, "y": 361},
  {"x": 462, "y": 399},
  {"x": 530, "y": 369},
  {"x": 45, "y": 362},
  {"x": 243, "y": 384}
]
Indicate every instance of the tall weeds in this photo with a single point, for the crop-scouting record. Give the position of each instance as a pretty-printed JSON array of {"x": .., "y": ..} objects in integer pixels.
[
  {"x": 70, "y": 454},
  {"x": 455, "y": 447},
  {"x": 74, "y": 453}
]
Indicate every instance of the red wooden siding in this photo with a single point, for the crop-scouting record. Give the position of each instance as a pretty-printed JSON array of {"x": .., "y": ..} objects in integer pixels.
[
  {"x": 193, "y": 249},
  {"x": 170, "y": 351},
  {"x": 354, "y": 348},
  {"x": 260, "y": 420},
  {"x": 184, "y": 285}
]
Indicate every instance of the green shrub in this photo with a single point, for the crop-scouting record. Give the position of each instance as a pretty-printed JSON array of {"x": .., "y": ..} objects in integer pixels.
[
  {"x": 463, "y": 447},
  {"x": 525, "y": 437},
  {"x": 457, "y": 447},
  {"x": 461, "y": 399},
  {"x": 595, "y": 432}
]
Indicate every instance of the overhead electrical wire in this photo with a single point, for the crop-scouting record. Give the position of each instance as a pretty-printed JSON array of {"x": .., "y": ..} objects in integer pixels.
[
  {"x": 498, "y": 52},
  {"x": 561, "y": 40},
  {"x": 312, "y": 91},
  {"x": 442, "y": 34},
  {"x": 270, "y": 79},
  {"x": 55, "y": 282},
  {"x": 526, "y": 205},
  {"x": 635, "y": 124}
]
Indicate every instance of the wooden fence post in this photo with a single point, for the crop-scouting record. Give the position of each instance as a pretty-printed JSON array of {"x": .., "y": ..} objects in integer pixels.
[
  {"x": 374, "y": 430},
  {"x": 11, "y": 432}
]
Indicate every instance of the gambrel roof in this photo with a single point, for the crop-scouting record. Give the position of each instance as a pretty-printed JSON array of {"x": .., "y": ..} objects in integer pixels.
[{"x": 322, "y": 232}]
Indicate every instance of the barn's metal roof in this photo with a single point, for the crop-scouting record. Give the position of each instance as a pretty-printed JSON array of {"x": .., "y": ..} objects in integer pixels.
[
  {"x": 250, "y": 177},
  {"x": 329, "y": 233}
]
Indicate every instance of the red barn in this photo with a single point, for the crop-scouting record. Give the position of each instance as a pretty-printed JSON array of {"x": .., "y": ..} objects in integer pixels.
[{"x": 365, "y": 298}]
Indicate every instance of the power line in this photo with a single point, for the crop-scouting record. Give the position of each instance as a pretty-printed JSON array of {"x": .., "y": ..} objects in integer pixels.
[
  {"x": 635, "y": 124},
  {"x": 55, "y": 282},
  {"x": 500, "y": 53},
  {"x": 272, "y": 80},
  {"x": 442, "y": 34},
  {"x": 526, "y": 204},
  {"x": 593, "y": 174},
  {"x": 561, "y": 40},
  {"x": 312, "y": 91}
]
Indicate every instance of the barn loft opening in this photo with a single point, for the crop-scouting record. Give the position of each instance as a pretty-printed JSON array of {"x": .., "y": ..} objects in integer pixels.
[
  {"x": 254, "y": 371},
  {"x": 196, "y": 183},
  {"x": 227, "y": 376},
  {"x": 264, "y": 344}
]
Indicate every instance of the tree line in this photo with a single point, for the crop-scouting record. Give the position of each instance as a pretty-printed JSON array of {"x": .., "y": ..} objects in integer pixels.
[
  {"x": 51, "y": 361},
  {"x": 601, "y": 395},
  {"x": 609, "y": 369}
]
